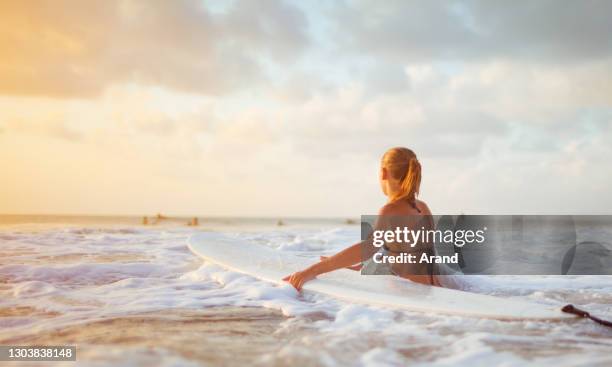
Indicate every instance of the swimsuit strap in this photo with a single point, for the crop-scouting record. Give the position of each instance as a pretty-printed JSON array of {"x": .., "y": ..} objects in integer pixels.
[{"x": 413, "y": 203}]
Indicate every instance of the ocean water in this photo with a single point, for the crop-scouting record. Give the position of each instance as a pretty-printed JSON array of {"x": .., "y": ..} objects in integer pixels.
[{"x": 128, "y": 294}]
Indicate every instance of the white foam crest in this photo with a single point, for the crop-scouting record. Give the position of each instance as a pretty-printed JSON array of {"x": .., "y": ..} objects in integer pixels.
[{"x": 243, "y": 290}]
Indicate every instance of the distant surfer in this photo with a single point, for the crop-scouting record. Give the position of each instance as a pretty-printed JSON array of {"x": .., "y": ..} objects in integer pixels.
[
  {"x": 159, "y": 217},
  {"x": 400, "y": 180}
]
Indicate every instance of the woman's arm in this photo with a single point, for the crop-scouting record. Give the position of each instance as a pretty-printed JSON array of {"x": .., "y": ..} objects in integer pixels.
[
  {"x": 355, "y": 267},
  {"x": 347, "y": 257}
]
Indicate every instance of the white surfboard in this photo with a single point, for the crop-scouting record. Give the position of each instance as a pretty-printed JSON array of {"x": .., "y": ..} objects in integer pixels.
[{"x": 270, "y": 265}]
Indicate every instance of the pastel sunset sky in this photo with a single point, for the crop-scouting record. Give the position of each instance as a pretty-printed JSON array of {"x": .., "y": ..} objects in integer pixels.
[{"x": 284, "y": 108}]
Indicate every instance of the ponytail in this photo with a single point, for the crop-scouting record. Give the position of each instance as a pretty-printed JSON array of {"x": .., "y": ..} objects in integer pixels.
[
  {"x": 404, "y": 165},
  {"x": 409, "y": 186}
]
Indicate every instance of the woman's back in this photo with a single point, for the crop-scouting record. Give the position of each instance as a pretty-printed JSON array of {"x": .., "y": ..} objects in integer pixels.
[{"x": 414, "y": 216}]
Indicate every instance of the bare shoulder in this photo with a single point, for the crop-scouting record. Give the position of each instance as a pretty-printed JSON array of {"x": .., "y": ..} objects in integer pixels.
[
  {"x": 389, "y": 209},
  {"x": 423, "y": 207}
]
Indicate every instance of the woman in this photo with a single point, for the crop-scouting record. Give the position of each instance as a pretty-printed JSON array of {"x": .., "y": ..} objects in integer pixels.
[{"x": 400, "y": 179}]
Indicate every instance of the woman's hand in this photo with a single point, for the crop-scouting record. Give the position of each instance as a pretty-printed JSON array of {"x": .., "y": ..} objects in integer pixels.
[{"x": 298, "y": 278}]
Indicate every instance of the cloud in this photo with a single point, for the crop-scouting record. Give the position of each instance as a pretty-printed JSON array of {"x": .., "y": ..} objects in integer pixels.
[
  {"x": 453, "y": 115},
  {"x": 77, "y": 49},
  {"x": 413, "y": 31}
]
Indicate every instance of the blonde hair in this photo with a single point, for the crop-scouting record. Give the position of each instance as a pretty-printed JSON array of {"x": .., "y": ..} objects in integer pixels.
[{"x": 402, "y": 164}]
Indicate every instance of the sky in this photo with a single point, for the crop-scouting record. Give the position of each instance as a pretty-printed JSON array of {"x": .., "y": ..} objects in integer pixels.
[{"x": 284, "y": 108}]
